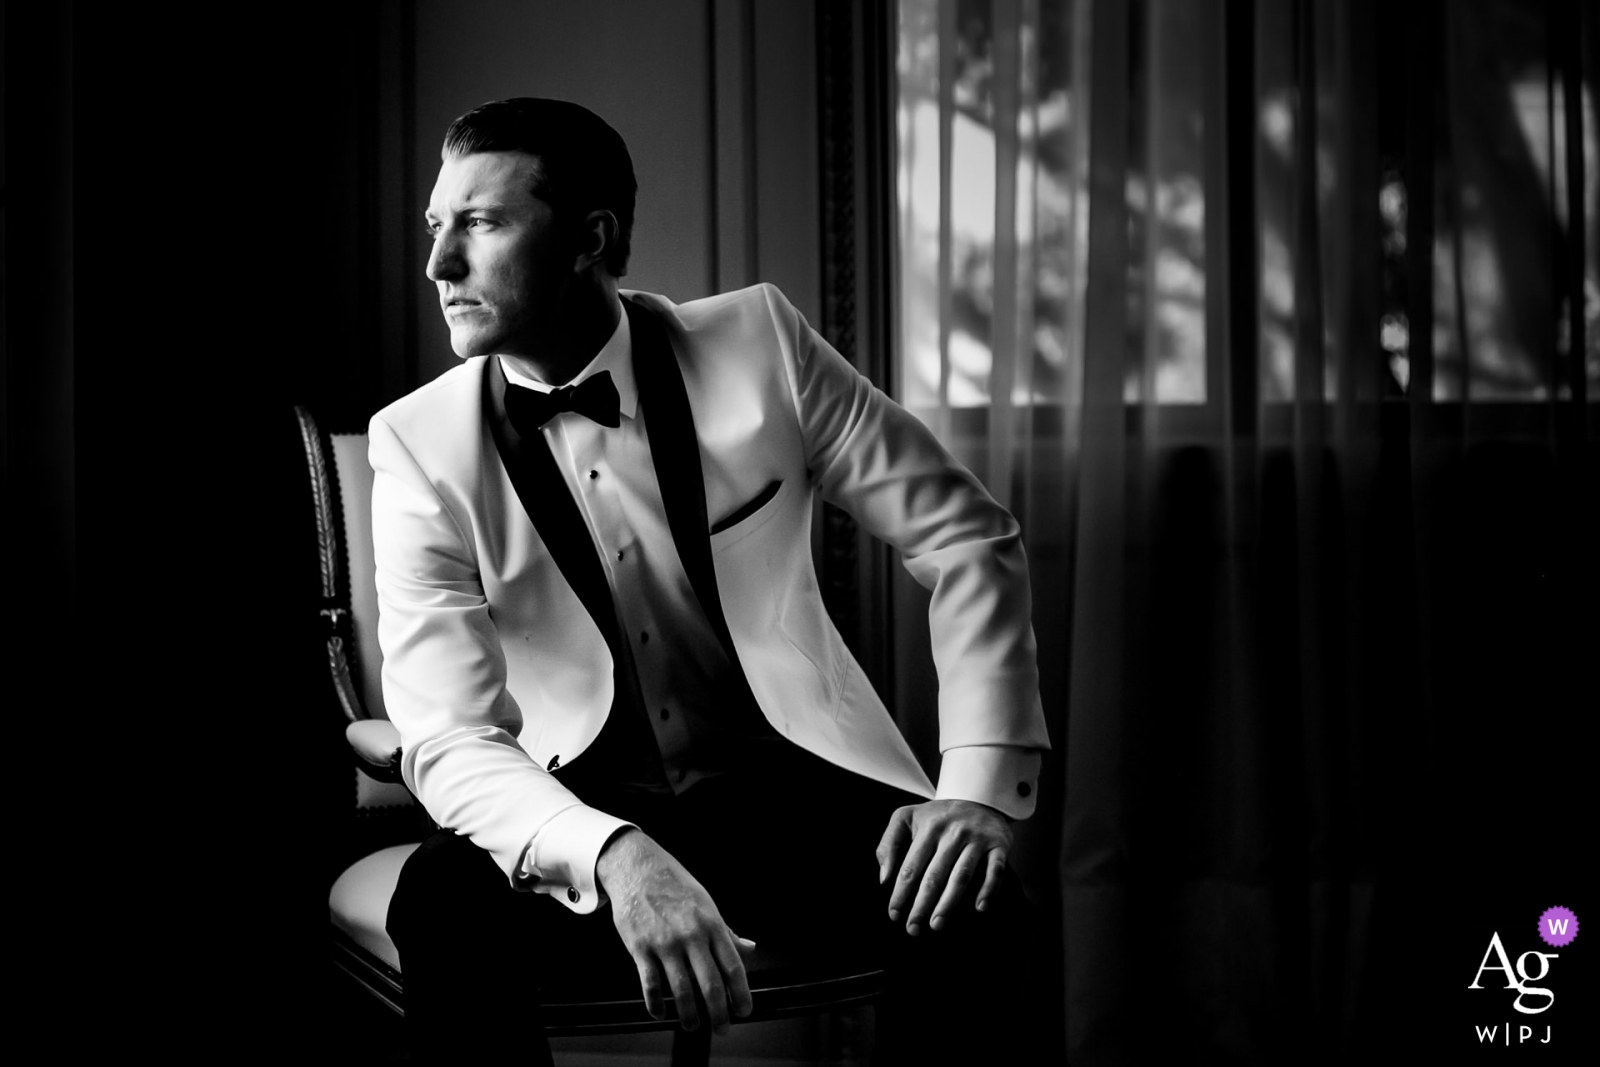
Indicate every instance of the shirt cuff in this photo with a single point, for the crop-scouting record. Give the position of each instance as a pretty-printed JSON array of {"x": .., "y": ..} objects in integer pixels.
[
  {"x": 1005, "y": 777},
  {"x": 560, "y": 859}
]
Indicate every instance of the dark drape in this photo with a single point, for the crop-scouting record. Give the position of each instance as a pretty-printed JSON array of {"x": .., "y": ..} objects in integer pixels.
[{"x": 183, "y": 195}]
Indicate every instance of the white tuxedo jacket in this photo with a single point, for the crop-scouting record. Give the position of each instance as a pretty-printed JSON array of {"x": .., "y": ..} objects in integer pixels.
[{"x": 492, "y": 665}]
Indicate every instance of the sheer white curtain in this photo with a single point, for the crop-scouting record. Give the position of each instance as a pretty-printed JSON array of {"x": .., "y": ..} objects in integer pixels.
[{"x": 1275, "y": 324}]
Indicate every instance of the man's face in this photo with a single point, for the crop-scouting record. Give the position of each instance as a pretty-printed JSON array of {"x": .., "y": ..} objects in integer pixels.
[{"x": 500, "y": 259}]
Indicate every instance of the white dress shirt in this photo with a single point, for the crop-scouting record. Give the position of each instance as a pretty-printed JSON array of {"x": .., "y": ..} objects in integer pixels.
[{"x": 681, "y": 667}]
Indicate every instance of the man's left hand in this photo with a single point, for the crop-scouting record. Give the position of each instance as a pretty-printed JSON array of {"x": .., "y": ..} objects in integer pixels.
[{"x": 938, "y": 848}]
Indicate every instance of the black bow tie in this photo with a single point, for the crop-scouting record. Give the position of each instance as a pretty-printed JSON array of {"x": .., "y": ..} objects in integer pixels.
[{"x": 594, "y": 398}]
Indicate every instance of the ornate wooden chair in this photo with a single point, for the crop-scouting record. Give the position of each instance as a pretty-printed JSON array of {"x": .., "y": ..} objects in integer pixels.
[{"x": 383, "y": 823}]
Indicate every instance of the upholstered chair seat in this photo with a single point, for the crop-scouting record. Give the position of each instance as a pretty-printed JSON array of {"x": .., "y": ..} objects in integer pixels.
[{"x": 359, "y": 902}]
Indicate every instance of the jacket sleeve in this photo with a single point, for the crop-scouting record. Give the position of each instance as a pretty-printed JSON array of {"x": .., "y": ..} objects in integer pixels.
[
  {"x": 444, "y": 684},
  {"x": 879, "y": 462}
]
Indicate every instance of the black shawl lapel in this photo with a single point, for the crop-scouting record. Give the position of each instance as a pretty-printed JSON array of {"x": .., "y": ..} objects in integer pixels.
[
  {"x": 675, "y": 452},
  {"x": 548, "y": 502}
]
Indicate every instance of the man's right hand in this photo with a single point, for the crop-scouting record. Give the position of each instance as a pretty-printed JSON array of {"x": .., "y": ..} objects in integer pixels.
[{"x": 673, "y": 931}]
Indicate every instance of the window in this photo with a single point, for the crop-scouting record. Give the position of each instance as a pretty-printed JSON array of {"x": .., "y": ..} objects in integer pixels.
[{"x": 997, "y": 99}]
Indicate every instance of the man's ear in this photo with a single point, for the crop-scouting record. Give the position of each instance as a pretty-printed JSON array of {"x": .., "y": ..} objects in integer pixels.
[{"x": 598, "y": 237}]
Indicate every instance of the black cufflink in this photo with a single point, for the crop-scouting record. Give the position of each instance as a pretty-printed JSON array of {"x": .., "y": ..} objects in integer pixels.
[
  {"x": 573, "y": 894},
  {"x": 1023, "y": 789},
  {"x": 555, "y": 761}
]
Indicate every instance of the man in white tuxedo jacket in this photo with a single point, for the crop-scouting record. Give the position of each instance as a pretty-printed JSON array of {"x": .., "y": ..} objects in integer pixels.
[{"x": 598, "y": 610}]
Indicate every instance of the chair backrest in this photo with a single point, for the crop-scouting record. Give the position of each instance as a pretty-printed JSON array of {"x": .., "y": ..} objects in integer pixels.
[
  {"x": 341, "y": 487},
  {"x": 355, "y": 498}
]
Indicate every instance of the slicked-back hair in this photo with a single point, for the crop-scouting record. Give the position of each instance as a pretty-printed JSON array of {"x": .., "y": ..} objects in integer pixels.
[{"x": 584, "y": 165}]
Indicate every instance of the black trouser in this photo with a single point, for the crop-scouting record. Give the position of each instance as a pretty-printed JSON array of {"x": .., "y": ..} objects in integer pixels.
[{"x": 787, "y": 854}]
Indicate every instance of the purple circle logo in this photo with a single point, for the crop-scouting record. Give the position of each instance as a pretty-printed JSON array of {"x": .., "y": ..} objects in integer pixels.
[{"x": 1558, "y": 926}]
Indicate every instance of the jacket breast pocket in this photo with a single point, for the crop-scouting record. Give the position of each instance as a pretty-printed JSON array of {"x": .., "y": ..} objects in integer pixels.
[{"x": 749, "y": 516}]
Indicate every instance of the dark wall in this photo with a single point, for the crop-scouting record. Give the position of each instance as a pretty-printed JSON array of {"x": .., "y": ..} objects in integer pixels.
[{"x": 715, "y": 98}]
